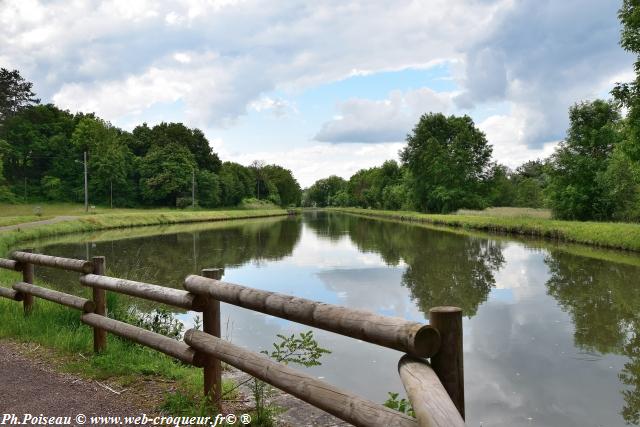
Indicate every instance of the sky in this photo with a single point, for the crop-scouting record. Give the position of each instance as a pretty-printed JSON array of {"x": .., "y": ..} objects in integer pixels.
[{"x": 325, "y": 87}]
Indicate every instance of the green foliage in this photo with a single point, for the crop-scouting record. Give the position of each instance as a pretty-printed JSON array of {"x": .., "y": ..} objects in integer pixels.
[
  {"x": 51, "y": 187},
  {"x": 207, "y": 189},
  {"x": 284, "y": 185},
  {"x": 15, "y": 93},
  {"x": 577, "y": 187},
  {"x": 166, "y": 173},
  {"x": 622, "y": 181},
  {"x": 236, "y": 183},
  {"x": 323, "y": 192},
  {"x": 303, "y": 350},
  {"x": 400, "y": 405},
  {"x": 448, "y": 159}
]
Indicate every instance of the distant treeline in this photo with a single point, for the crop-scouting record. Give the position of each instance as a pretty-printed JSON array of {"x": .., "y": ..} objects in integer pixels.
[
  {"x": 42, "y": 149},
  {"x": 594, "y": 173}
]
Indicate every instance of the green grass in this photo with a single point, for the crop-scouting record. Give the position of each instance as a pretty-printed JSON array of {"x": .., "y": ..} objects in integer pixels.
[
  {"x": 12, "y": 220},
  {"x": 506, "y": 212},
  {"x": 12, "y": 238},
  {"x": 603, "y": 234}
]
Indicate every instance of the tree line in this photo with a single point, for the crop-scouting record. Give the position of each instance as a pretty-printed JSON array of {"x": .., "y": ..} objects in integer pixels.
[
  {"x": 42, "y": 149},
  {"x": 594, "y": 174}
]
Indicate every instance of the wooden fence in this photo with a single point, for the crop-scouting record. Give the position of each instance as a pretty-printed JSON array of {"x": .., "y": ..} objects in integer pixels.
[{"x": 435, "y": 387}]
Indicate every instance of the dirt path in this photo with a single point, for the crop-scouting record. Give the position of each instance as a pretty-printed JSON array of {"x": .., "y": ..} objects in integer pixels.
[
  {"x": 55, "y": 220},
  {"x": 29, "y": 387}
]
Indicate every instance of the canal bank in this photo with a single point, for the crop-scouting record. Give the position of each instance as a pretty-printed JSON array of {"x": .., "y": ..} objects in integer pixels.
[
  {"x": 601, "y": 234},
  {"x": 19, "y": 233}
]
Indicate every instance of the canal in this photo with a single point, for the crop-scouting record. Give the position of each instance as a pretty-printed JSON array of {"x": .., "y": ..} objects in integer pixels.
[{"x": 550, "y": 331}]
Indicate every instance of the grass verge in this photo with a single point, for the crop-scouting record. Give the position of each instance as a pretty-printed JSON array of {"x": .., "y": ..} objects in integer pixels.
[
  {"x": 11, "y": 238},
  {"x": 603, "y": 234}
]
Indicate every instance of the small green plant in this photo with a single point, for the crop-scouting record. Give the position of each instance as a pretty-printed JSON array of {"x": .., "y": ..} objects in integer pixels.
[
  {"x": 400, "y": 405},
  {"x": 160, "y": 320},
  {"x": 302, "y": 350},
  {"x": 197, "y": 323}
]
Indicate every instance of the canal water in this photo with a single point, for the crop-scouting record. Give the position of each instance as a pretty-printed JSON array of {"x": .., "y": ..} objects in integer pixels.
[{"x": 551, "y": 332}]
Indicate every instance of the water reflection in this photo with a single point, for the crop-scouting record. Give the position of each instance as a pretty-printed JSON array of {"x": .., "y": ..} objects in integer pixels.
[
  {"x": 168, "y": 258},
  {"x": 603, "y": 302},
  {"x": 550, "y": 336},
  {"x": 441, "y": 268}
]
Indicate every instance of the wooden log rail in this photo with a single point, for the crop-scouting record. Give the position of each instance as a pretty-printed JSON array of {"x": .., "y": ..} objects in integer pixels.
[
  {"x": 79, "y": 265},
  {"x": 72, "y": 301},
  {"x": 161, "y": 294},
  {"x": 159, "y": 342},
  {"x": 410, "y": 337},
  {"x": 342, "y": 404},
  {"x": 435, "y": 388},
  {"x": 429, "y": 399},
  {"x": 10, "y": 264}
]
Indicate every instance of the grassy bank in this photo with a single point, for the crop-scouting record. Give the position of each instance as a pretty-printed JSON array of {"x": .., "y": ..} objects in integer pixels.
[
  {"x": 11, "y": 238},
  {"x": 603, "y": 234}
]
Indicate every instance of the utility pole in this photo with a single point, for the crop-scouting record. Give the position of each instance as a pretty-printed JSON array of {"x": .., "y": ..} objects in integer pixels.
[
  {"x": 193, "y": 188},
  {"x": 111, "y": 183},
  {"x": 86, "y": 190}
]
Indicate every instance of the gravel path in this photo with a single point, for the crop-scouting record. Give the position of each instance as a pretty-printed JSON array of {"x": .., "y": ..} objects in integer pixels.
[
  {"x": 55, "y": 220},
  {"x": 29, "y": 387}
]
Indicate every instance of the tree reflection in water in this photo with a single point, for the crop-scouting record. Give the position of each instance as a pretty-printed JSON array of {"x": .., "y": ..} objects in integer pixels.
[
  {"x": 442, "y": 268},
  {"x": 603, "y": 301}
]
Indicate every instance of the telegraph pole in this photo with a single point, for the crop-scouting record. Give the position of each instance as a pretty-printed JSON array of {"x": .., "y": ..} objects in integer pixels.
[
  {"x": 193, "y": 188},
  {"x": 86, "y": 190}
]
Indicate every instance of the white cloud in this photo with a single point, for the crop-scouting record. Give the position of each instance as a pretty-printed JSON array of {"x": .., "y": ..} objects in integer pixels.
[
  {"x": 278, "y": 107},
  {"x": 389, "y": 120},
  {"x": 260, "y": 47},
  {"x": 309, "y": 164},
  {"x": 543, "y": 56},
  {"x": 507, "y": 134}
]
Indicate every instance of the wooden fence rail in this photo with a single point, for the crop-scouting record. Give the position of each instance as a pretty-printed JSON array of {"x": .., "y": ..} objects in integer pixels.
[
  {"x": 436, "y": 389},
  {"x": 342, "y": 404},
  {"x": 399, "y": 334}
]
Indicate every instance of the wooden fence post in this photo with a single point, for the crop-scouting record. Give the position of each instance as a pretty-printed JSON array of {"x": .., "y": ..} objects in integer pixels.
[
  {"x": 100, "y": 301},
  {"x": 447, "y": 363},
  {"x": 211, "y": 325},
  {"x": 27, "y": 277}
]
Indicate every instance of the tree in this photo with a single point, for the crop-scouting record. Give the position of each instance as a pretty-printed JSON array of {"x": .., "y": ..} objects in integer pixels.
[
  {"x": 628, "y": 94},
  {"x": 448, "y": 158},
  {"x": 236, "y": 183},
  {"x": 5, "y": 193},
  {"x": 109, "y": 158},
  {"x": 208, "y": 189},
  {"x": 286, "y": 185},
  {"x": 322, "y": 193},
  {"x": 166, "y": 173},
  {"x": 500, "y": 187},
  {"x": 15, "y": 94},
  {"x": 576, "y": 188},
  {"x": 40, "y": 145}
]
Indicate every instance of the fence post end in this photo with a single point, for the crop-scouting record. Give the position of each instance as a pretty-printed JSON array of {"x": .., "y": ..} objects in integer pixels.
[{"x": 448, "y": 362}]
